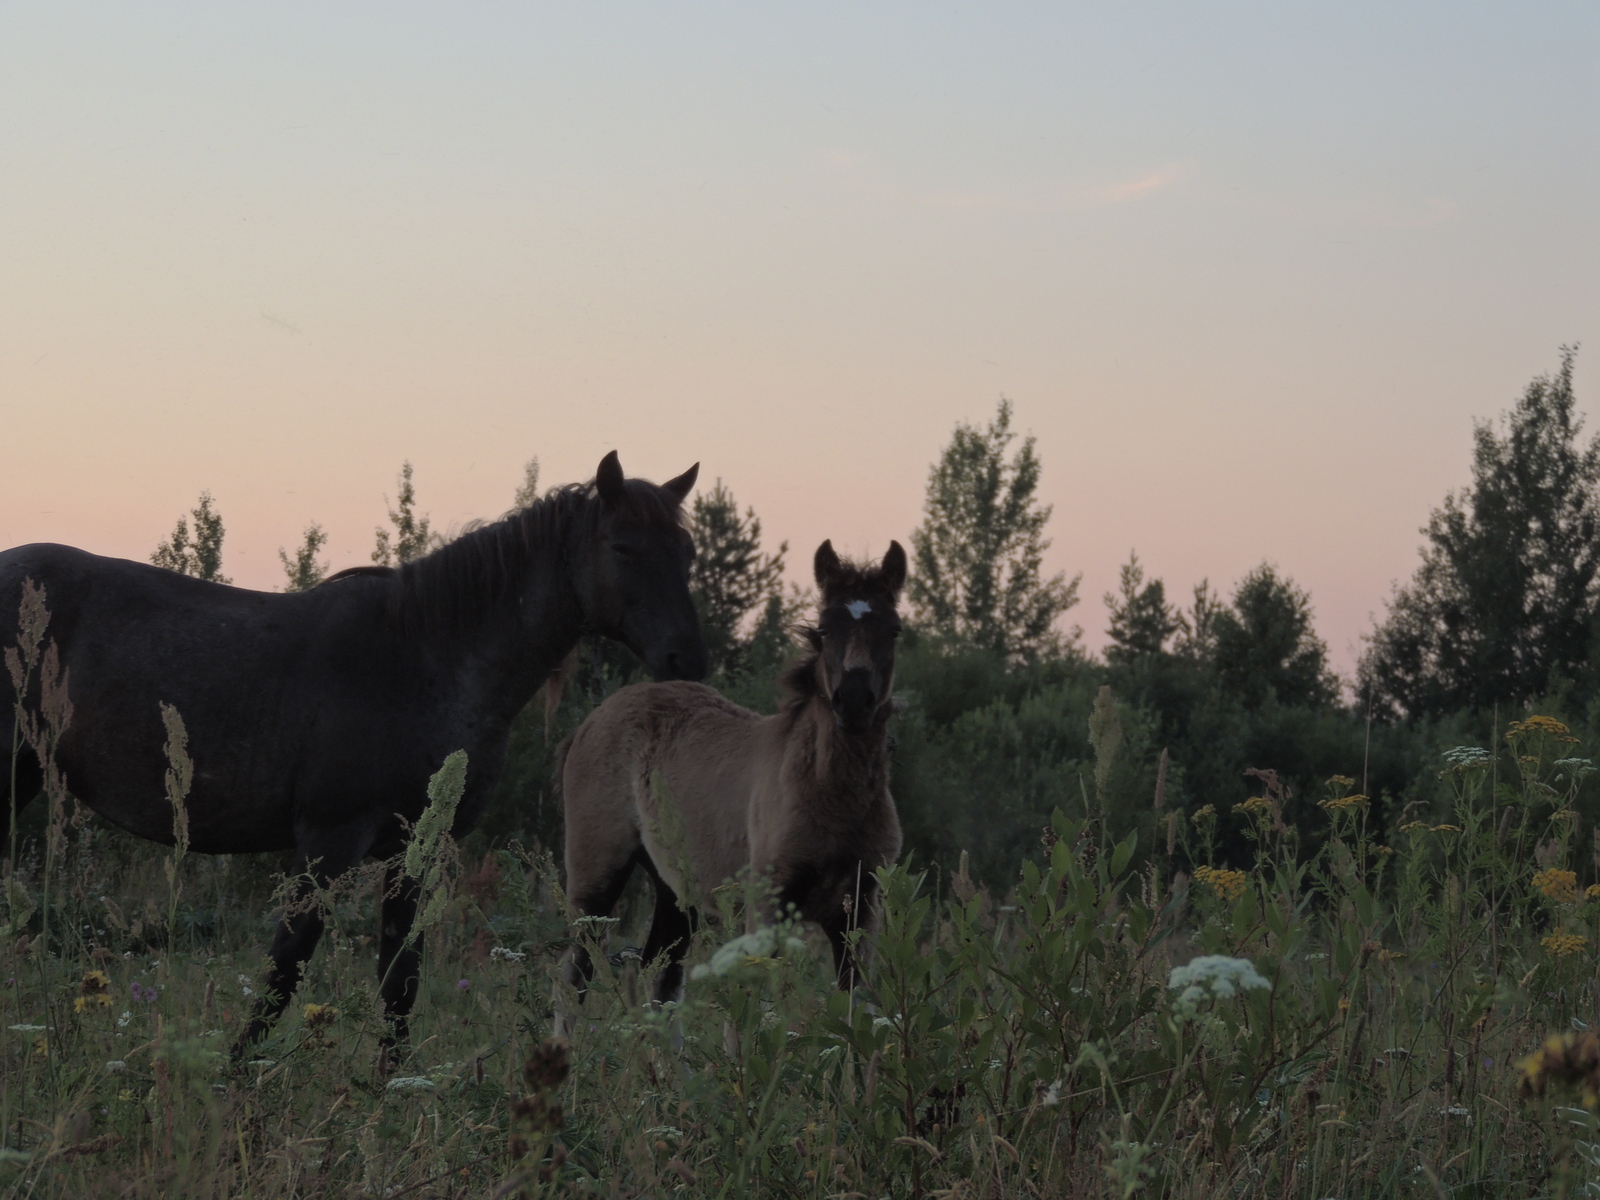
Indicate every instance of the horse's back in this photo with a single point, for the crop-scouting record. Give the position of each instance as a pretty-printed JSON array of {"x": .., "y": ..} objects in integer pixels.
[{"x": 668, "y": 766}]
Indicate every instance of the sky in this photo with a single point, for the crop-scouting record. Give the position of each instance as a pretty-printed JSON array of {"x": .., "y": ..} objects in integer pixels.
[{"x": 1248, "y": 272}]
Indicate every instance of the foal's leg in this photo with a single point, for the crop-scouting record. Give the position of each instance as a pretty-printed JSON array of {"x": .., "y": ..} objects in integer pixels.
[
  {"x": 398, "y": 957},
  {"x": 671, "y": 927},
  {"x": 594, "y": 893},
  {"x": 325, "y": 854},
  {"x": 863, "y": 910}
]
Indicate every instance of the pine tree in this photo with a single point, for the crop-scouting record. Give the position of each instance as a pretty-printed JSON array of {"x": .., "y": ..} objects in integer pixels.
[
  {"x": 977, "y": 578},
  {"x": 200, "y": 556},
  {"x": 1503, "y": 603},
  {"x": 1265, "y": 645},
  {"x": 731, "y": 577},
  {"x": 412, "y": 537},
  {"x": 303, "y": 570},
  {"x": 1141, "y": 618}
]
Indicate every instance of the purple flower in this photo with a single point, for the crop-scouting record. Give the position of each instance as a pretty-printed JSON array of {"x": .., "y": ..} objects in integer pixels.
[
  {"x": 463, "y": 984},
  {"x": 140, "y": 992}
]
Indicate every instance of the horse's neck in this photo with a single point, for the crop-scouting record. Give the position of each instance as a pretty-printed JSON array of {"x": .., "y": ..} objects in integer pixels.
[
  {"x": 519, "y": 646},
  {"x": 850, "y": 767}
]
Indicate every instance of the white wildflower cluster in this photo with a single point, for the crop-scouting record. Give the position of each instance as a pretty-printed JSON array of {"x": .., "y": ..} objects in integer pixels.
[
  {"x": 1468, "y": 758},
  {"x": 502, "y": 954},
  {"x": 1212, "y": 977},
  {"x": 410, "y": 1083},
  {"x": 1577, "y": 768},
  {"x": 763, "y": 943}
]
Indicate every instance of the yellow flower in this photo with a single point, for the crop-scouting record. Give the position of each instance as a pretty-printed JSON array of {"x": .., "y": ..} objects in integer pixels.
[
  {"x": 1389, "y": 955},
  {"x": 85, "y": 1003},
  {"x": 1341, "y": 781},
  {"x": 1414, "y": 827},
  {"x": 125, "y": 1095},
  {"x": 1569, "y": 1060},
  {"x": 1535, "y": 726},
  {"x": 1445, "y": 829},
  {"x": 1558, "y": 885},
  {"x": 1256, "y": 804},
  {"x": 94, "y": 983},
  {"x": 1339, "y": 803},
  {"x": 1563, "y": 944},
  {"x": 1566, "y": 814},
  {"x": 1208, "y": 813},
  {"x": 1224, "y": 884},
  {"x": 317, "y": 1015},
  {"x": 1592, "y": 892},
  {"x": 1383, "y": 851},
  {"x": 1344, "y": 1003}
]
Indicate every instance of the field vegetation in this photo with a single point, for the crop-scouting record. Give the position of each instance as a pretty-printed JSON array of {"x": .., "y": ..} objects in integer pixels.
[{"x": 1193, "y": 917}]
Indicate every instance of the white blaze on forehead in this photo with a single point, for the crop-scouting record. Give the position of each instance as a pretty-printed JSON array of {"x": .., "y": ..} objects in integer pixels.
[{"x": 858, "y": 608}]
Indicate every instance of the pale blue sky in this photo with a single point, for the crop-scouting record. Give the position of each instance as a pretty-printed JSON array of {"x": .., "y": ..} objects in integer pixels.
[{"x": 1247, "y": 271}]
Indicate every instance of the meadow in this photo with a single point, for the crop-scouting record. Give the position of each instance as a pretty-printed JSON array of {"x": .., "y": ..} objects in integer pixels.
[{"x": 1393, "y": 1011}]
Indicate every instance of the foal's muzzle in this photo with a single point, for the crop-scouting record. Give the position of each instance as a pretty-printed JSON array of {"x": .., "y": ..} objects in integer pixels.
[{"x": 855, "y": 700}]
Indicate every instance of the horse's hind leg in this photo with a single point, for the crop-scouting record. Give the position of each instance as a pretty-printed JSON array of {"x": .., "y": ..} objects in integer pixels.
[
  {"x": 594, "y": 892},
  {"x": 397, "y": 952},
  {"x": 324, "y": 855},
  {"x": 671, "y": 928}
]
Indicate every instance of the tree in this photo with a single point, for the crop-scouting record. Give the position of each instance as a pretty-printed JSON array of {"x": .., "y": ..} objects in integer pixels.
[
  {"x": 202, "y": 556},
  {"x": 977, "y": 577},
  {"x": 1503, "y": 602},
  {"x": 731, "y": 577},
  {"x": 1197, "y": 628},
  {"x": 303, "y": 570},
  {"x": 412, "y": 537},
  {"x": 1265, "y": 645},
  {"x": 1141, "y": 618},
  {"x": 529, "y": 491}
]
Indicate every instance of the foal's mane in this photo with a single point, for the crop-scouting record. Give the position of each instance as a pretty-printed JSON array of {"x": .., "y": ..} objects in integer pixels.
[
  {"x": 483, "y": 566},
  {"x": 851, "y": 581}
]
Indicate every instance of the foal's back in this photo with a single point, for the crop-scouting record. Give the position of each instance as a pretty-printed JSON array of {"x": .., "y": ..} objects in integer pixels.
[{"x": 706, "y": 754}]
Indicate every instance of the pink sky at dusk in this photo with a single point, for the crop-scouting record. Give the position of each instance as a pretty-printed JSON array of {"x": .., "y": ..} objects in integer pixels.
[{"x": 1248, "y": 274}]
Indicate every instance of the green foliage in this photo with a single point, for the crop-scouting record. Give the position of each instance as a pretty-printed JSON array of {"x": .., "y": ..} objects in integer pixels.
[
  {"x": 1141, "y": 618},
  {"x": 731, "y": 579},
  {"x": 1264, "y": 645},
  {"x": 201, "y": 554},
  {"x": 976, "y": 578},
  {"x": 1503, "y": 605},
  {"x": 412, "y": 536},
  {"x": 303, "y": 571}
]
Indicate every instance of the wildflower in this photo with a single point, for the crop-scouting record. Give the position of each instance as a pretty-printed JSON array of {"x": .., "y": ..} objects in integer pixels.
[
  {"x": 410, "y": 1083},
  {"x": 1444, "y": 829},
  {"x": 116, "y": 1066},
  {"x": 1563, "y": 944},
  {"x": 122, "y": 1021},
  {"x": 1202, "y": 815},
  {"x": 1569, "y": 1060},
  {"x": 1414, "y": 827},
  {"x": 463, "y": 984},
  {"x": 125, "y": 1095},
  {"x": 95, "y": 992},
  {"x": 1540, "y": 726},
  {"x": 1344, "y": 1004},
  {"x": 747, "y": 950},
  {"x": 1383, "y": 851},
  {"x": 1212, "y": 976},
  {"x": 1468, "y": 758},
  {"x": 26, "y": 1028},
  {"x": 1224, "y": 884},
  {"x": 1341, "y": 781},
  {"x": 1578, "y": 768},
  {"x": 317, "y": 1015},
  {"x": 1592, "y": 892},
  {"x": 1565, "y": 814},
  {"x": 1558, "y": 885},
  {"x": 501, "y": 954},
  {"x": 143, "y": 994},
  {"x": 1389, "y": 955},
  {"x": 1340, "y": 803},
  {"x": 1256, "y": 804}
]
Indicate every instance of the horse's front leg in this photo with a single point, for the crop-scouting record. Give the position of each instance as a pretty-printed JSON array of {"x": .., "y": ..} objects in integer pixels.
[
  {"x": 857, "y": 912},
  {"x": 321, "y": 857},
  {"x": 398, "y": 958}
]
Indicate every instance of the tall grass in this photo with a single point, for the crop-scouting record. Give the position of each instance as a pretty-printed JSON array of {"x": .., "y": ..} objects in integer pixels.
[{"x": 1341, "y": 1020}]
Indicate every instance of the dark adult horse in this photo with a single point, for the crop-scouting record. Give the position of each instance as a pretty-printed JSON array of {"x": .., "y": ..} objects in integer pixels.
[{"x": 316, "y": 718}]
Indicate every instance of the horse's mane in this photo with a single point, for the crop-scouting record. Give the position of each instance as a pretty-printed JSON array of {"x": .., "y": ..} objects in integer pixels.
[
  {"x": 483, "y": 565},
  {"x": 852, "y": 581}
]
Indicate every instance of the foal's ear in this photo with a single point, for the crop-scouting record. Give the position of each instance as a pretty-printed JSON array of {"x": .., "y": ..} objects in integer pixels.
[
  {"x": 681, "y": 486},
  {"x": 893, "y": 570},
  {"x": 608, "y": 478},
  {"x": 826, "y": 565}
]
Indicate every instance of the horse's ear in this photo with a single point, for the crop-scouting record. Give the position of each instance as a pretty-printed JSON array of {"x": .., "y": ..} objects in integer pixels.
[
  {"x": 826, "y": 565},
  {"x": 608, "y": 478},
  {"x": 893, "y": 570},
  {"x": 683, "y": 484}
]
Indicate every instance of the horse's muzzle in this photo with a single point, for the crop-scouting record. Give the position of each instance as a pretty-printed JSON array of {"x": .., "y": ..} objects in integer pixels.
[
  {"x": 685, "y": 660},
  {"x": 855, "y": 700}
]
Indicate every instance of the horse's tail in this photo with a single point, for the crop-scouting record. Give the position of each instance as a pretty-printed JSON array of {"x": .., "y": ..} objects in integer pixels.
[{"x": 557, "y": 790}]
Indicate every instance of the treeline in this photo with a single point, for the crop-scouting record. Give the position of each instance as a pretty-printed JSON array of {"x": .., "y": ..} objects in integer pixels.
[{"x": 1193, "y": 707}]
